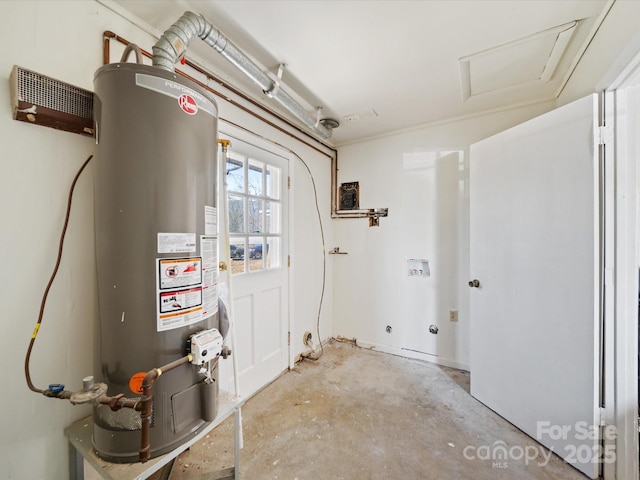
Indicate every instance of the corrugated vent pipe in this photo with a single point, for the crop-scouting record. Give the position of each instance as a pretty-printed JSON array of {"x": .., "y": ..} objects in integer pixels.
[{"x": 174, "y": 42}]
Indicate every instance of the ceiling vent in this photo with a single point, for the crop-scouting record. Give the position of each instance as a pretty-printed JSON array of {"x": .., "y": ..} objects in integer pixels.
[
  {"x": 528, "y": 61},
  {"x": 354, "y": 117}
]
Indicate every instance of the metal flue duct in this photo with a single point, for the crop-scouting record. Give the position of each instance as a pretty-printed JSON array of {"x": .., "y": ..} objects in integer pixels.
[{"x": 174, "y": 42}]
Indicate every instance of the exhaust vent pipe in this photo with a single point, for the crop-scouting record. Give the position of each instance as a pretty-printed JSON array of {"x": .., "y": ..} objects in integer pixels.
[{"x": 174, "y": 42}]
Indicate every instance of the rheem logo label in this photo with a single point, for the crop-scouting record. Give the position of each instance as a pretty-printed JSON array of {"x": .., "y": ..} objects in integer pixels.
[{"x": 188, "y": 104}]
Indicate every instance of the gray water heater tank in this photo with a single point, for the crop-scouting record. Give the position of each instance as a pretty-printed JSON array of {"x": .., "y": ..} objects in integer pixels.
[{"x": 156, "y": 251}]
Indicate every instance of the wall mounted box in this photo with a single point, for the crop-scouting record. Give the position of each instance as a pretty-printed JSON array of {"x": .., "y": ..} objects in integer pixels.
[{"x": 42, "y": 100}]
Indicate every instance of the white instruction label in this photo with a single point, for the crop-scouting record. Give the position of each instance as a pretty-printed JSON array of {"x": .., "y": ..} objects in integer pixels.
[
  {"x": 209, "y": 251},
  {"x": 169, "y": 321},
  {"x": 176, "y": 242},
  {"x": 210, "y": 220}
]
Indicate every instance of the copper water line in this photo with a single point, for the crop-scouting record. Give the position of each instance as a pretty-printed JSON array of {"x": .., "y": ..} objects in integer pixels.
[
  {"x": 106, "y": 59},
  {"x": 107, "y": 35},
  {"x": 27, "y": 371},
  {"x": 144, "y": 406},
  {"x": 119, "y": 401},
  {"x": 116, "y": 402},
  {"x": 147, "y": 404}
]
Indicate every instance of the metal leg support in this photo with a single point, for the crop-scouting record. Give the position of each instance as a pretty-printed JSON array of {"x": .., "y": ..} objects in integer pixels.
[{"x": 76, "y": 464}]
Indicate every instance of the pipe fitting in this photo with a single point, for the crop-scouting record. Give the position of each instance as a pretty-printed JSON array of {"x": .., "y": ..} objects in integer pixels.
[
  {"x": 90, "y": 395},
  {"x": 88, "y": 383},
  {"x": 146, "y": 405},
  {"x": 174, "y": 42},
  {"x": 114, "y": 402},
  {"x": 132, "y": 47}
]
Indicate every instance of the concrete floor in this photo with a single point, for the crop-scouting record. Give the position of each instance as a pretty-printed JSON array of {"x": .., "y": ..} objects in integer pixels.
[{"x": 360, "y": 414}]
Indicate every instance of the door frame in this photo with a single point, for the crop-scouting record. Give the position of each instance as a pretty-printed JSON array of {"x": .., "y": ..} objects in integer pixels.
[
  {"x": 233, "y": 132},
  {"x": 623, "y": 236}
]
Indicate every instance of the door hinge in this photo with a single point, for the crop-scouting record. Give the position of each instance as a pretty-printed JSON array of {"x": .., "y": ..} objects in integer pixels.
[
  {"x": 288, "y": 182},
  {"x": 288, "y": 260},
  {"x": 602, "y": 417},
  {"x": 289, "y": 338},
  {"x": 605, "y": 135},
  {"x": 608, "y": 276}
]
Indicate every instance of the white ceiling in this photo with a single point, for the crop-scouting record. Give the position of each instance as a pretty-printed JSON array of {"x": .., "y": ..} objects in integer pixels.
[{"x": 411, "y": 62}]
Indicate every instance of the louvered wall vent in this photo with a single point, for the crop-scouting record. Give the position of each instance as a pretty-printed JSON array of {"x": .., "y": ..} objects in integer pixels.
[{"x": 42, "y": 100}]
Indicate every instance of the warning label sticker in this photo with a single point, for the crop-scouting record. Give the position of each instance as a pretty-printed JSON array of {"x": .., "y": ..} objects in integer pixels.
[
  {"x": 179, "y": 272},
  {"x": 179, "y": 289},
  {"x": 135, "y": 382},
  {"x": 176, "y": 242},
  {"x": 178, "y": 300}
]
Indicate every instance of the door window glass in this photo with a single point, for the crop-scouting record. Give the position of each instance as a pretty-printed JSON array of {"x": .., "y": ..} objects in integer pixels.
[{"x": 255, "y": 214}]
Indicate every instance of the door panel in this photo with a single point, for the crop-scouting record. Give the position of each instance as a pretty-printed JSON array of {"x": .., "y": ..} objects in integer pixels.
[
  {"x": 258, "y": 239},
  {"x": 534, "y": 249},
  {"x": 243, "y": 314},
  {"x": 269, "y": 330}
]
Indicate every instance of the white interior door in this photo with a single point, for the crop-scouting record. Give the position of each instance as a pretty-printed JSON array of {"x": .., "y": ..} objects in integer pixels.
[
  {"x": 258, "y": 242},
  {"x": 534, "y": 249}
]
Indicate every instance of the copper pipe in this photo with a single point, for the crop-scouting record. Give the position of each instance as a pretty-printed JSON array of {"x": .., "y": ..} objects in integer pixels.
[
  {"x": 27, "y": 371},
  {"x": 334, "y": 184},
  {"x": 333, "y": 156},
  {"x": 106, "y": 52},
  {"x": 119, "y": 401},
  {"x": 110, "y": 34},
  {"x": 147, "y": 404},
  {"x": 116, "y": 402}
]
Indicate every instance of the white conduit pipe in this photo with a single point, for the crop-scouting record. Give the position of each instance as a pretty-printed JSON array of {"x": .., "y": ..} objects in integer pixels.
[
  {"x": 222, "y": 174},
  {"x": 174, "y": 42}
]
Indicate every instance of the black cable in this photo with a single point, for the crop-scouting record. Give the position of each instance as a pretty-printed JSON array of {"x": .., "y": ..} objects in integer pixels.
[
  {"x": 324, "y": 250},
  {"x": 53, "y": 276},
  {"x": 324, "y": 255}
]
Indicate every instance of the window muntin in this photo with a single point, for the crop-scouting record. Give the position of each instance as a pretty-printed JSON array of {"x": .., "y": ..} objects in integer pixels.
[{"x": 255, "y": 214}]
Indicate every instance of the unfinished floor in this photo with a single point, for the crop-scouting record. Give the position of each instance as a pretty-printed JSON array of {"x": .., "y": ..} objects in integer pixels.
[{"x": 360, "y": 414}]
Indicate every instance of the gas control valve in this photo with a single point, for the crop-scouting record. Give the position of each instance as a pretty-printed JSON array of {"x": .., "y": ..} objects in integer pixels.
[{"x": 205, "y": 345}]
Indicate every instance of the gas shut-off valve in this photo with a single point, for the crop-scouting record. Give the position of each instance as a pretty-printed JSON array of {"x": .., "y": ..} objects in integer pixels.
[{"x": 207, "y": 345}]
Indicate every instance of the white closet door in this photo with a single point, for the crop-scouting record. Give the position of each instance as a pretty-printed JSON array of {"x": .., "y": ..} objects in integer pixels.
[{"x": 534, "y": 249}]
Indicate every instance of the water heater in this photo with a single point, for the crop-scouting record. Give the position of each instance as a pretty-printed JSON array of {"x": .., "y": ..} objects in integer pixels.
[{"x": 156, "y": 249}]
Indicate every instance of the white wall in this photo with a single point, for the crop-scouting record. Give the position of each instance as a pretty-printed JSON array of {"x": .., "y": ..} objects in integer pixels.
[
  {"x": 428, "y": 216},
  {"x": 63, "y": 39}
]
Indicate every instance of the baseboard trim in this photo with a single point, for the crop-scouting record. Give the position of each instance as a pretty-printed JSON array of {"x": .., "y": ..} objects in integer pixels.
[{"x": 408, "y": 353}]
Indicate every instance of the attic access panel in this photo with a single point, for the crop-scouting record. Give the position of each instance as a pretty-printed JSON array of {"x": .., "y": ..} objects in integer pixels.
[{"x": 525, "y": 61}]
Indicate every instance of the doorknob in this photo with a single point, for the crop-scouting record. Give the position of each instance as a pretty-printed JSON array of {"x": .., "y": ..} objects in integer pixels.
[{"x": 474, "y": 283}]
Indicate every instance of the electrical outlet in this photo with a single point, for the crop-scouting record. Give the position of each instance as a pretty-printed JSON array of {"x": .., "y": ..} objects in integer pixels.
[
  {"x": 306, "y": 338},
  {"x": 453, "y": 315}
]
